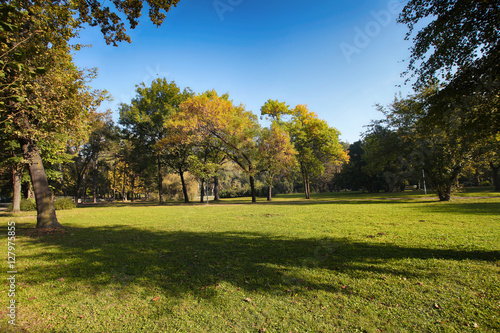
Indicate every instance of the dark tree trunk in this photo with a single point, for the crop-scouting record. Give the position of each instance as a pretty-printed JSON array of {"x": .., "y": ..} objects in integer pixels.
[
  {"x": 216, "y": 188},
  {"x": 46, "y": 214},
  {"x": 496, "y": 179},
  {"x": 184, "y": 188},
  {"x": 160, "y": 178},
  {"x": 94, "y": 182},
  {"x": 202, "y": 190},
  {"x": 270, "y": 193},
  {"x": 16, "y": 179},
  {"x": 444, "y": 193},
  {"x": 252, "y": 188},
  {"x": 133, "y": 188},
  {"x": 84, "y": 196}
]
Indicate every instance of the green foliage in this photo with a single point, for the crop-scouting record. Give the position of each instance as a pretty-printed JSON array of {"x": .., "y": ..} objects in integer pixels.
[
  {"x": 27, "y": 205},
  {"x": 64, "y": 203},
  {"x": 315, "y": 142},
  {"x": 459, "y": 45}
]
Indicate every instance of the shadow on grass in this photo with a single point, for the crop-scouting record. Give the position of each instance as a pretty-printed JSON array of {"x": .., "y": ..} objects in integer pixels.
[
  {"x": 465, "y": 207},
  {"x": 181, "y": 263}
]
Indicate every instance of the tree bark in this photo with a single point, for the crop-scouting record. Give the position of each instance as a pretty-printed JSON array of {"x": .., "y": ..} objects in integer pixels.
[
  {"x": 252, "y": 188},
  {"x": 216, "y": 188},
  {"x": 124, "y": 186},
  {"x": 133, "y": 187},
  {"x": 114, "y": 182},
  {"x": 94, "y": 181},
  {"x": 16, "y": 179},
  {"x": 202, "y": 190},
  {"x": 496, "y": 179},
  {"x": 269, "y": 193},
  {"x": 184, "y": 188},
  {"x": 160, "y": 179},
  {"x": 46, "y": 214},
  {"x": 444, "y": 193},
  {"x": 305, "y": 176}
]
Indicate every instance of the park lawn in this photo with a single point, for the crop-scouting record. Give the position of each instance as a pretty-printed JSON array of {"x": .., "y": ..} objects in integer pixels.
[{"x": 372, "y": 265}]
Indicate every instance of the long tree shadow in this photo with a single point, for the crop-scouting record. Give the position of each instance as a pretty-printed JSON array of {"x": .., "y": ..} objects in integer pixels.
[{"x": 189, "y": 262}]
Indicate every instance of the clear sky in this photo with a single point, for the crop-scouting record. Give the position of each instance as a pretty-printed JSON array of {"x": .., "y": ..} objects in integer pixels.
[{"x": 338, "y": 57}]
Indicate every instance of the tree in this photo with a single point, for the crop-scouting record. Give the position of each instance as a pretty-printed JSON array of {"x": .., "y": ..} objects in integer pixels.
[
  {"x": 315, "y": 142},
  {"x": 460, "y": 46},
  {"x": 385, "y": 156},
  {"x": 236, "y": 129},
  {"x": 439, "y": 148},
  {"x": 37, "y": 74},
  {"x": 177, "y": 149},
  {"x": 144, "y": 120},
  {"x": 276, "y": 154},
  {"x": 43, "y": 95}
]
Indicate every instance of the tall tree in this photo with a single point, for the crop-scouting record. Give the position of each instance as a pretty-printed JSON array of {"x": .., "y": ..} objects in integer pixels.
[
  {"x": 277, "y": 155},
  {"x": 235, "y": 128},
  {"x": 43, "y": 94},
  {"x": 459, "y": 44},
  {"x": 439, "y": 148},
  {"x": 144, "y": 120},
  {"x": 38, "y": 81},
  {"x": 315, "y": 141}
]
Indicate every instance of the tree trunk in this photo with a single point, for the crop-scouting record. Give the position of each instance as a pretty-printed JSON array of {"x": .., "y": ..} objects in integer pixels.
[
  {"x": 305, "y": 176},
  {"x": 160, "y": 178},
  {"x": 46, "y": 214},
  {"x": 114, "y": 182},
  {"x": 133, "y": 188},
  {"x": 30, "y": 193},
  {"x": 216, "y": 188},
  {"x": 496, "y": 179},
  {"x": 270, "y": 193},
  {"x": 124, "y": 186},
  {"x": 202, "y": 190},
  {"x": 84, "y": 196},
  {"x": 16, "y": 178},
  {"x": 444, "y": 193},
  {"x": 252, "y": 188},
  {"x": 184, "y": 188},
  {"x": 94, "y": 181}
]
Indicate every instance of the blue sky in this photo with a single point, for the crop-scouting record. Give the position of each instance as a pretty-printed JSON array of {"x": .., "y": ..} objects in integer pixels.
[{"x": 338, "y": 57}]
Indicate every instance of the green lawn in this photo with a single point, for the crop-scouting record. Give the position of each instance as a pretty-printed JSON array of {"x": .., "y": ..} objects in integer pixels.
[{"x": 338, "y": 263}]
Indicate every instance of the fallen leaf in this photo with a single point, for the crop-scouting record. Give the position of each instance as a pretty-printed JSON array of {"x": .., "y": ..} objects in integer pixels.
[
  {"x": 248, "y": 300},
  {"x": 436, "y": 306},
  {"x": 156, "y": 298},
  {"x": 31, "y": 298},
  {"x": 80, "y": 316}
]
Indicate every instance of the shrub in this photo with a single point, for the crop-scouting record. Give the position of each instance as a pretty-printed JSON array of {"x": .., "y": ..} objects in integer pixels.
[
  {"x": 26, "y": 205},
  {"x": 64, "y": 203},
  {"x": 485, "y": 183}
]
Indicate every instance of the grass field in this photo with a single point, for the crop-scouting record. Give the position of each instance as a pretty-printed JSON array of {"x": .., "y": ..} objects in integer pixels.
[{"x": 338, "y": 263}]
